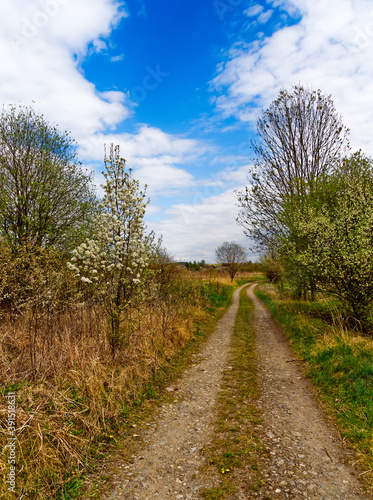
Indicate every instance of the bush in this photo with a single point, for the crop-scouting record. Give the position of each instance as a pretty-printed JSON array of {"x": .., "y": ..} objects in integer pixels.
[{"x": 273, "y": 269}]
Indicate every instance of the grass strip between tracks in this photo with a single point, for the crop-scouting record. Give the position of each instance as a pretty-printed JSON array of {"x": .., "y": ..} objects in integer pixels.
[{"x": 236, "y": 452}]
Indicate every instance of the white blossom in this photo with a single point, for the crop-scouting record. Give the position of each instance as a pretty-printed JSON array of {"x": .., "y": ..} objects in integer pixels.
[
  {"x": 118, "y": 252},
  {"x": 85, "y": 280}
]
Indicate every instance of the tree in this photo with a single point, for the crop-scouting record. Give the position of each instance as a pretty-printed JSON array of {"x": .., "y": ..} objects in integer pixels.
[
  {"x": 300, "y": 138},
  {"x": 272, "y": 268},
  {"x": 45, "y": 196},
  {"x": 232, "y": 255},
  {"x": 337, "y": 225},
  {"x": 115, "y": 261}
]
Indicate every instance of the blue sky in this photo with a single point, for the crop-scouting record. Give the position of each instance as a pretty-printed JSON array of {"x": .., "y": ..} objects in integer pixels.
[{"x": 179, "y": 86}]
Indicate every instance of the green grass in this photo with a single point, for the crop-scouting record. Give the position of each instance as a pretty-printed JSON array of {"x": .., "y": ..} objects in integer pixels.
[
  {"x": 340, "y": 365},
  {"x": 235, "y": 447},
  {"x": 221, "y": 297}
]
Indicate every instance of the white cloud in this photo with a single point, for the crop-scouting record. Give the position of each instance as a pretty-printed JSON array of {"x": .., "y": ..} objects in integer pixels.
[
  {"x": 188, "y": 232},
  {"x": 193, "y": 230},
  {"x": 117, "y": 58},
  {"x": 41, "y": 44},
  {"x": 265, "y": 16},
  {"x": 155, "y": 156},
  {"x": 254, "y": 10},
  {"x": 330, "y": 48}
]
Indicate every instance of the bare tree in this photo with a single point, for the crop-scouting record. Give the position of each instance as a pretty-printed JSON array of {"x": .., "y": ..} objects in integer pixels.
[
  {"x": 232, "y": 255},
  {"x": 301, "y": 137}
]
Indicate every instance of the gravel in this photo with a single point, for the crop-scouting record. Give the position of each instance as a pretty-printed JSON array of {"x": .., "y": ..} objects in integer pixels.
[{"x": 305, "y": 461}]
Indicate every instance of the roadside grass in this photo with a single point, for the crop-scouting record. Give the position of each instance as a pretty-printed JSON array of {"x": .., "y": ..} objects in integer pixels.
[
  {"x": 136, "y": 414},
  {"x": 83, "y": 406},
  {"x": 339, "y": 362},
  {"x": 235, "y": 451},
  {"x": 251, "y": 278}
]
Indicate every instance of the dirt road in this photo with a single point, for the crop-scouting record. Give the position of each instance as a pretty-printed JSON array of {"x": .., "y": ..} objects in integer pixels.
[
  {"x": 306, "y": 456},
  {"x": 168, "y": 467},
  {"x": 306, "y": 460}
]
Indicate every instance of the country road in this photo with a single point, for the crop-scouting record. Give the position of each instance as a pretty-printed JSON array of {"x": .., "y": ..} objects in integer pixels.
[
  {"x": 306, "y": 454},
  {"x": 305, "y": 457}
]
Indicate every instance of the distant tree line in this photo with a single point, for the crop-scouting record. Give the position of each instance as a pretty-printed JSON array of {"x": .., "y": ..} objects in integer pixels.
[{"x": 194, "y": 266}]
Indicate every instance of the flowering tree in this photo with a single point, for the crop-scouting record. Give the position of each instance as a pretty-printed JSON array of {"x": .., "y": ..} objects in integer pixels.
[{"x": 114, "y": 262}]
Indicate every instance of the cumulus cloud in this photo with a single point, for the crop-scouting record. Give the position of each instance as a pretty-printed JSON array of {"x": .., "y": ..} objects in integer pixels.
[
  {"x": 329, "y": 48},
  {"x": 193, "y": 230},
  {"x": 187, "y": 232},
  {"x": 41, "y": 46},
  {"x": 155, "y": 156}
]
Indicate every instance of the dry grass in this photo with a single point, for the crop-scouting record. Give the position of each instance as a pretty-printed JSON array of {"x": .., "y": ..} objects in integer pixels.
[{"x": 71, "y": 395}]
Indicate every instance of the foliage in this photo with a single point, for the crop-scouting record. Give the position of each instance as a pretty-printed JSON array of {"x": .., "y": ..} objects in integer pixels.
[
  {"x": 195, "y": 266},
  {"x": 273, "y": 269},
  {"x": 30, "y": 279},
  {"x": 115, "y": 261},
  {"x": 232, "y": 255},
  {"x": 46, "y": 198},
  {"x": 301, "y": 137},
  {"x": 310, "y": 207},
  {"x": 332, "y": 234}
]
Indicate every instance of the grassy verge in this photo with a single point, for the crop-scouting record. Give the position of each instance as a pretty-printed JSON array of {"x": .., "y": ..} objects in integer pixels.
[
  {"x": 254, "y": 277},
  {"x": 339, "y": 363},
  {"x": 235, "y": 452},
  {"x": 82, "y": 405}
]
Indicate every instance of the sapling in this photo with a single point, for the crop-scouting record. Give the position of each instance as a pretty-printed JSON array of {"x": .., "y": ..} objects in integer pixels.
[{"x": 115, "y": 261}]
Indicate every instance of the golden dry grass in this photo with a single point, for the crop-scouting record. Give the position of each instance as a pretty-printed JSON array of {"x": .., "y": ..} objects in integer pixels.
[{"x": 71, "y": 395}]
